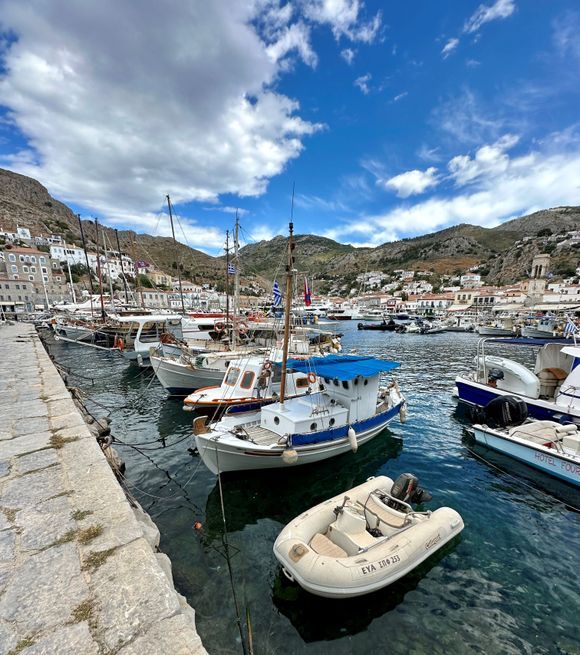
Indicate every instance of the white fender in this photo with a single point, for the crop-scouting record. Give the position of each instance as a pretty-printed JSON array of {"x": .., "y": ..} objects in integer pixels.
[
  {"x": 290, "y": 456},
  {"x": 403, "y": 413},
  {"x": 352, "y": 439}
]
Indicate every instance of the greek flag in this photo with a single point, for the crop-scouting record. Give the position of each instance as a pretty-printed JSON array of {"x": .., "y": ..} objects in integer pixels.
[
  {"x": 570, "y": 328},
  {"x": 277, "y": 299},
  {"x": 231, "y": 269}
]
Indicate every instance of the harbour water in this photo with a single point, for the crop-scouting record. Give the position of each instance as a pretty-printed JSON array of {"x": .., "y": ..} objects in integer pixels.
[{"x": 509, "y": 584}]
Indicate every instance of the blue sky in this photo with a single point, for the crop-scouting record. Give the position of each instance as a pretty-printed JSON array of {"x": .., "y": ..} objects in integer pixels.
[{"x": 392, "y": 119}]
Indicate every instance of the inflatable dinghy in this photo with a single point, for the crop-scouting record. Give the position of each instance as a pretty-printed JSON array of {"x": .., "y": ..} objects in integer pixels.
[{"x": 364, "y": 539}]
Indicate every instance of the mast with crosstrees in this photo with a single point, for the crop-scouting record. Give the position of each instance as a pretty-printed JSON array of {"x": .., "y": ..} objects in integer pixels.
[
  {"x": 287, "y": 309},
  {"x": 175, "y": 243}
]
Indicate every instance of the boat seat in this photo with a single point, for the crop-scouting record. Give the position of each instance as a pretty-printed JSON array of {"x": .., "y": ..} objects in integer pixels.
[
  {"x": 572, "y": 443},
  {"x": 323, "y": 546},
  {"x": 387, "y": 515},
  {"x": 542, "y": 432}
]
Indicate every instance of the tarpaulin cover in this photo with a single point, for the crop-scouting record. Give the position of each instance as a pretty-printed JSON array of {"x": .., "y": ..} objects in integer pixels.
[{"x": 342, "y": 367}]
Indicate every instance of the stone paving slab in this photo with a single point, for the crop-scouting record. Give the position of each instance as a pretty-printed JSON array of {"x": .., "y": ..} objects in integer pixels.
[{"x": 79, "y": 567}]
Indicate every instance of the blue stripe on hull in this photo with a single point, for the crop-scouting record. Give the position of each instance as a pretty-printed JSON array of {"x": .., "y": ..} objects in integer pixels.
[
  {"x": 340, "y": 433},
  {"x": 476, "y": 396}
]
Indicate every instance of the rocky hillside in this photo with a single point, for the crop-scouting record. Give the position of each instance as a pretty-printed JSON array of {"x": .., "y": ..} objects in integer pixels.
[{"x": 504, "y": 253}]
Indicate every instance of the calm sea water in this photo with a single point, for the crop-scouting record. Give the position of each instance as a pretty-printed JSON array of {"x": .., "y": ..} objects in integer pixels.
[{"x": 509, "y": 584}]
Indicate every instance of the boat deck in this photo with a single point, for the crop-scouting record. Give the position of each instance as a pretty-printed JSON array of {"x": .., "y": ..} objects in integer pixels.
[{"x": 261, "y": 436}]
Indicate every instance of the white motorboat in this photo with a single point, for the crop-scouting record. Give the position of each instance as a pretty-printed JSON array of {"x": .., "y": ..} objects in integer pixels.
[
  {"x": 546, "y": 327},
  {"x": 363, "y": 539},
  {"x": 545, "y": 445},
  {"x": 550, "y": 391},
  {"x": 348, "y": 409},
  {"x": 502, "y": 327},
  {"x": 138, "y": 334}
]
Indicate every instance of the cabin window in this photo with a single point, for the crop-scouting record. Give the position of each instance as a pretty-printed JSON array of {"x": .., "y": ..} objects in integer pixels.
[
  {"x": 344, "y": 384},
  {"x": 365, "y": 382},
  {"x": 301, "y": 383},
  {"x": 150, "y": 332},
  {"x": 335, "y": 382},
  {"x": 247, "y": 380},
  {"x": 232, "y": 376},
  {"x": 313, "y": 427},
  {"x": 355, "y": 381},
  {"x": 332, "y": 422},
  {"x": 327, "y": 380},
  {"x": 276, "y": 420}
]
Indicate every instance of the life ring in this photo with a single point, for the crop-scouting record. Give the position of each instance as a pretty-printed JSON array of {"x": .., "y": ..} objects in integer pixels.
[
  {"x": 267, "y": 366},
  {"x": 220, "y": 326},
  {"x": 242, "y": 328},
  {"x": 119, "y": 343},
  {"x": 311, "y": 378}
]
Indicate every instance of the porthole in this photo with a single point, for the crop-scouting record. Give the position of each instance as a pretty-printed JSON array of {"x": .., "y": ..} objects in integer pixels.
[
  {"x": 276, "y": 420},
  {"x": 312, "y": 427},
  {"x": 366, "y": 382},
  {"x": 331, "y": 422},
  {"x": 335, "y": 382},
  {"x": 355, "y": 381}
]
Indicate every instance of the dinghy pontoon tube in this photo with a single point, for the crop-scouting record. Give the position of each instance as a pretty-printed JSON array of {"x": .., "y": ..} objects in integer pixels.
[{"x": 364, "y": 539}]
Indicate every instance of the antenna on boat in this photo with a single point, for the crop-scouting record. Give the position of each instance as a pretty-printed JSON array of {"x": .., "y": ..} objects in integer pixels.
[
  {"x": 175, "y": 244},
  {"x": 288, "y": 304}
]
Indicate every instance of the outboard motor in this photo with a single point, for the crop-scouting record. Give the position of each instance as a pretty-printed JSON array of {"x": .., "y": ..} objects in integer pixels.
[
  {"x": 502, "y": 412},
  {"x": 406, "y": 488}
]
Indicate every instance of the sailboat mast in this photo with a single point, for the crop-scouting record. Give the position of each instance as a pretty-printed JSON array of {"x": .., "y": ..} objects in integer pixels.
[
  {"x": 175, "y": 243},
  {"x": 121, "y": 265},
  {"x": 99, "y": 272},
  {"x": 72, "y": 288},
  {"x": 288, "y": 306},
  {"x": 108, "y": 262},
  {"x": 236, "y": 283},
  {"x": 87, "y": 261},
  {"x": 227, "y": 249}
]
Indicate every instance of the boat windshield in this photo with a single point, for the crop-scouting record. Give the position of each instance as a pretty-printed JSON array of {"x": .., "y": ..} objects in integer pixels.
[{"x": 232, "y": 376}]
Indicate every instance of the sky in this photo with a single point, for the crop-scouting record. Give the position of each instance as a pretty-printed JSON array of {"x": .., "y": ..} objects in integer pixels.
[{"x": 389, "y": 119}]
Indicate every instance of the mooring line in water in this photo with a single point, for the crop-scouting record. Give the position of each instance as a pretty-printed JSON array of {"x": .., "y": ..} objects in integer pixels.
[
  {"x": 226, "y": 545},
  {"x": 522, "y": 482}
]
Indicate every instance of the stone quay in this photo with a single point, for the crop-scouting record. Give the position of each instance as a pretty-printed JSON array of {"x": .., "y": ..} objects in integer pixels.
[{"x": 80, "y": 569}]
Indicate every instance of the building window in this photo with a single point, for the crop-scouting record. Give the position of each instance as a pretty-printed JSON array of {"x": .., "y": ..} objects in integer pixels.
[
  {"x": 31, "y": 278},
  {"x": 17, "y": 286},
  {"x": 45, "y": 278},
  {"x": 33, "y": 269},
  {"x": 11, "y": 258},
  {"x": 25, "y": 269},
  {"x": 33, "y": 259},
  {"x": 44, "y": 270},
  {"x": 42, "y": 260},
  {"x": 14, "y": 268},
  {"x": 21, "y": 258},
  {"x": 24, "y": 287}
]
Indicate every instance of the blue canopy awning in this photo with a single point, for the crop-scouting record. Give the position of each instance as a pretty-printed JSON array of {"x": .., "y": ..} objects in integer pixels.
[{"x": 342, "y": 367}]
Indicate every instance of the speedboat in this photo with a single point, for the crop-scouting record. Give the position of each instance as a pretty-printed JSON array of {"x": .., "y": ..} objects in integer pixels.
[
  {"x": 348, "y": 409},
  {"x": 551, "y": 390},
  {"x": 384, "y": 326},
  {"x": 363, "y": 539},
  {"x": 545, "y": 445}
]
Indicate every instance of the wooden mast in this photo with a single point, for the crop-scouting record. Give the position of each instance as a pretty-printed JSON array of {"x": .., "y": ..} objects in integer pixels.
[
  {"x": 288, "y": 306},
  {"x": 87, "y": 260},
  {"x": 121, "y": 266}
]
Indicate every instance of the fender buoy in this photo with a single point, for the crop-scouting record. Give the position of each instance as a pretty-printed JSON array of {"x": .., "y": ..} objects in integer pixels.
[
  {"x": 352, "y": 439},
  {"x": 289, "y": 456},
  {"x": 311, "y": 378},
  {"x": 119, "y": 343}
]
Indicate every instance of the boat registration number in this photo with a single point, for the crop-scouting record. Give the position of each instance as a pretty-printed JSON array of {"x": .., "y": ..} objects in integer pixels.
[{"x": 375, "y": 567}]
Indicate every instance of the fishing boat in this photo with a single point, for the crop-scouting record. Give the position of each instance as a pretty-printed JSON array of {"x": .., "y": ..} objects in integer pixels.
[
  {"x": 383, "y": 326},
  {"x": 134, "y": 336},
  {"x": 364, "y": 539},
  {"x": 249, "y": 384},
  {"x": 503, "y": 327},
  {"x": 551, "y": 390},
  {"x": 546, "y": 327},
  {"x": 545, "y": 445},
  {"x": 349, "y": 408}
]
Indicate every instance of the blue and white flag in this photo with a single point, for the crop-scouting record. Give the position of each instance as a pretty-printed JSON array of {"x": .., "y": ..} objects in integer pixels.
[
  {"x": 277, "y": 299},
  {"x": 570, "y": 328},
  {"x": 231, "y": 269}
]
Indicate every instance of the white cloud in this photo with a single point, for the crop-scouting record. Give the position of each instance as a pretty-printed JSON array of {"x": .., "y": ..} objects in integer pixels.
[
  {"x": 565, "y": 34},
  {"x": 343, "y": 17},
  {"x": 116, "y": 117},
  {"x": 510, "y": 188},
  {"x": 362, "y": 83},
  {"x": 449, "y": 47},
  {"x": 486, "y": 13},
  {"x": 400, "y": 96},
  {"x": 348, "y": 55},
  {"x": 472, "y": 63},
  {"x": 412, "y": 182},
  {"x": 489, "y": 160}
]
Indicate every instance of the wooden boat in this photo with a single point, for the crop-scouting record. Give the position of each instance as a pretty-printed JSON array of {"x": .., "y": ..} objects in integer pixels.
[{"x": 363, "y": 539}]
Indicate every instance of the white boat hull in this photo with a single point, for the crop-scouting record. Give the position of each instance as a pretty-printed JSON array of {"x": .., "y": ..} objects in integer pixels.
[
  {"x": 539, "y": 457},
  {"x": 227, "y": 453},
  {"x": 490, "y": 331},
  {"x": 181, "y": 379},
  {"x": 371, "y": 568}
]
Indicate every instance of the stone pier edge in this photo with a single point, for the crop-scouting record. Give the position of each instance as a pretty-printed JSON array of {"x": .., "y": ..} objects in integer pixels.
[{"x": 80, "y": 570}]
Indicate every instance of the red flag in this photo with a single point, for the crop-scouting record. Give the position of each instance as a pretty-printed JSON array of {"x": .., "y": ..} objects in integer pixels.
[{"x": 307, "y": 298}]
